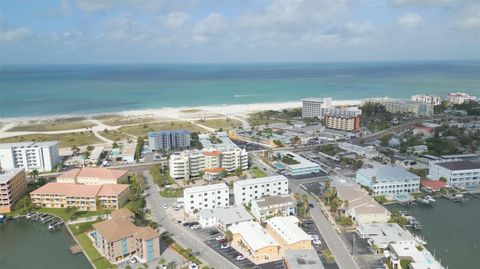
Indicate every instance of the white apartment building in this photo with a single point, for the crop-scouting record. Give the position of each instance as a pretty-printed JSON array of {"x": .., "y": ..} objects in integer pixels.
[
  {"x": 400, "y": 106},
  {"x": 460, "y": 97},
  {"x": 388, "y": 180},
  {"x": 429, "y": 99},
  {"x": 251, "y": 189},
  {"x": 367, "y": 151},
  {"x": 168, "y": 140},
  {"x": 464, "y": 174},
  {"x": 205, "y": 197},
  {"x": 42, "y": 156},
  {"x": 223, "y": 155},
  {"x": 319, "y": 107}
]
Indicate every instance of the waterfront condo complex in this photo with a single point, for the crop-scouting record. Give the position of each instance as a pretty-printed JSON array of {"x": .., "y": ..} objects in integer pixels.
[
  {"x": 463, "y": 174},
  {"x": 169, "y": 140},
  {"x": 417, "y": 109},
  {"x": 429, "y": 99},
  {"x": 42, "y": 156},
  {"x": 93, "y": 176},
  {"x": 460, "y": 97},
  {"x": 391, "y": 181},
  {"x": 13, "y": 185},
  {"x": 118, "y": 239},
  {"x": 83, "y": 197}
]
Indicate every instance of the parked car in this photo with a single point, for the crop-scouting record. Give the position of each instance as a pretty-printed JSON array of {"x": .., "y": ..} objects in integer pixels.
[
  {"x": 310, "y": 205},
  {"x": 224, "y": 246},
  {"x": 165, "y": 206},
  {"x": 195, "y": 227},
  {"x": 193, "y": 266},
  {"x": 132, "y": 260},
  {"x": 314, "y": 236},
  {"x": 220, "y": 237},
  {"x": 240, "y": 258},
  {"x": 317, "y": 242}
]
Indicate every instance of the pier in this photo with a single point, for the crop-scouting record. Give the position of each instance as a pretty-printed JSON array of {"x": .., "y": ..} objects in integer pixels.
[{"x": 75, "y": 249}]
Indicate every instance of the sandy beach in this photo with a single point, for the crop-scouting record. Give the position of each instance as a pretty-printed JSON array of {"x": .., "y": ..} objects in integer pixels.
[{"x": 183, "y": 112}]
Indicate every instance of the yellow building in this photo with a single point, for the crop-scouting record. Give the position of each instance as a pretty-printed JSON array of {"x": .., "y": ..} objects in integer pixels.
[
  {"x": 286, "y": 231},
  {"x": 259, "y": 244},
  {"x": 13, "y": 185},
  {"x": 118, "y": 239},
  {"x": 83, "y": 197}
]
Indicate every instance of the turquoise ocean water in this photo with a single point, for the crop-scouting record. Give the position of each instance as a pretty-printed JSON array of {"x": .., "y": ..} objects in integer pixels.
[{"x": 35, "y": 90}]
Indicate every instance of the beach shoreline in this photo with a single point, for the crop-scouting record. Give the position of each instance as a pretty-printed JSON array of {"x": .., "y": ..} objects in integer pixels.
[{"x": 241, "y": 110}]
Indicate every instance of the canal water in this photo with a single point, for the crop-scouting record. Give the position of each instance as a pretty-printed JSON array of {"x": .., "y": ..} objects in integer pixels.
[
  {"x": 28, "y": 244},
  {"x": 452, "y": 231}
]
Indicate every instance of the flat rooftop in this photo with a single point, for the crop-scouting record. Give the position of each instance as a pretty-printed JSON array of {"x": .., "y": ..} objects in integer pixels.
[
  {"x": 229, "y": 215},
  {"x": 7, "y": 174},
  {"x": 206, "y": 188},
  {"x": 30, "y": 144},
  {"x": 386, "y": 172},
  {"x": 302, "y": 162},
  {"x": 226, "y": 142},
  {"x": 274, "y": 200},
  {"x": 460, "y": 165},
  {"x": 303, "y": 259},
  {"x": 263, "y": 180}
]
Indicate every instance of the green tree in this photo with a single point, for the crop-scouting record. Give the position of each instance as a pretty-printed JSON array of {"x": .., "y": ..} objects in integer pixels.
[
  {"x": 238, "y": 172},
  {"x": 34, "y": 174},
  {"x": 229, "y": 235},
  {"x": 90, "y": 147},
  {"x": 71, "y": 212},
  {"x": 172, "y": 265}
]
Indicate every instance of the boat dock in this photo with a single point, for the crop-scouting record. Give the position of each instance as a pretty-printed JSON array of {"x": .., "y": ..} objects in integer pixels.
[{"x": 75, "y": 249}]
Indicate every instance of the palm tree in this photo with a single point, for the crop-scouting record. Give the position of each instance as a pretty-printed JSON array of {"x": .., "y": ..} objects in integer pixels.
[{"x": 34, "y": 173}]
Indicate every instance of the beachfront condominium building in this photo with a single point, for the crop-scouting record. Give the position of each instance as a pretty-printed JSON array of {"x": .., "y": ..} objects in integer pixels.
[
  {"x": 169, "y": 140},
  {"x": 285, "y": 230},
  {"x": 463, "y": 174},
  {"x": 429, "y": 99},
  {"x": 205, "y": 197},
  {"x": 319, "y": 107},
  {"x": 280, "y": 205},
  {"x": 212, "y": 161},
  {"x": 460, "y": 97},
  {"x": 118, "y": 239},
  {"x": 13, "y": 185},
  {"x": 313, "y": 107},
  {"x": 399, "y": 106},
  {"x": 343, "y": 123},
  {"x": 391, "y": 181},
  {"x": 42, "y": 156},
  {"x": 251, "y": 189},
  {"x": 93, "y": 176},
  {"x": 83, "y": 197}
]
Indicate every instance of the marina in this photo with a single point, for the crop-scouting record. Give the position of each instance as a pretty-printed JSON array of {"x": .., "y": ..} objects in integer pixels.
[
  {"x": 24, "y": 242},
  {"x": 450, "y": 237}
]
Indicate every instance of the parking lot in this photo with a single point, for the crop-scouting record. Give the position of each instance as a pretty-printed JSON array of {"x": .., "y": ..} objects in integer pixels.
[
  {"x": 248, "y": 146},
  {"x": 309, "y": 227},
  {"x": 314, "y": 188},
  {"x": 208, "y": 237},
  {"x": 363, "y": 254}
]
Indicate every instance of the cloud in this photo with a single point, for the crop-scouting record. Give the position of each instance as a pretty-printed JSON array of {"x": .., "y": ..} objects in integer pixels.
[
  {"x": 468, "y": 17},
  {"x": 409, "y": 20},
  {"x": 152, "y": 6},
  {"x": 210, "y": 26},
  {"x": 176, "y": 19},
  {"x": 15, "y": 35},
  {"x": 443, "y": 3}
]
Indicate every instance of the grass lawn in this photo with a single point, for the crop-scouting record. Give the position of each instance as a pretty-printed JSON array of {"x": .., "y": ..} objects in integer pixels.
[
  {"x": 66, "y": 140},
  {"x": 172, "y": 193},
  {"x": 254, "y": 120},
  {"x": 143, "y": 129},
  {"x": 61, "y": 212},
  {"x": 257, "y": 172},
  {"x": 114, "y": 135},
  {"x": 224, "y": 124},
  {"x": 98, "y": 260},
  {"x": 116, "y": 120},
  {"x": 53, "y": 125}
]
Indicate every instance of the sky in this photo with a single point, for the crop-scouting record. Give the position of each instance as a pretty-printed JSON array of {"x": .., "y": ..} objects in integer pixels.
[{"x": 237, "y": 31}]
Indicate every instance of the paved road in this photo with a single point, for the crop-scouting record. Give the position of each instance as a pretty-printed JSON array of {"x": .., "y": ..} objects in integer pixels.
[
  {"x": 329, "y": 234},
  {"x": 185, "y": 237}
]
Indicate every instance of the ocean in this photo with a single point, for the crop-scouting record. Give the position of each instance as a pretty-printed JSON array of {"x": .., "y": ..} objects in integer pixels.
[{"x": 39, "y": 90}]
